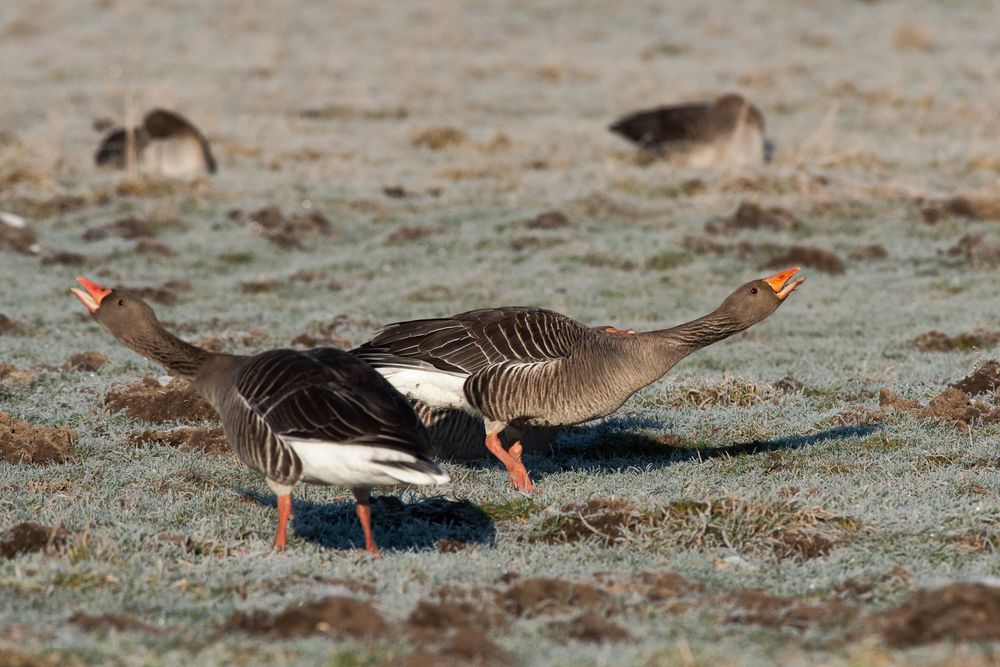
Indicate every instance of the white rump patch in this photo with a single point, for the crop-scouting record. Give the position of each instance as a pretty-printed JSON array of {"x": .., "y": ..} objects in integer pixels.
[
  {"x": 437, "y": 389},
  {"x": 361, "y": 465}
]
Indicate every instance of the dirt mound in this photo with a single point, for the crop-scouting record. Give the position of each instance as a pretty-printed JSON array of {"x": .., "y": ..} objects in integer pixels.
[
  {"x": 151, "y": 402},
  {"x": 977, "y": 207},
  {"x": 199, "y": 439},
  {"x": 289, "y": 232},
  {"x": 335, "y": 616},
  {"x": 815, "y": 258},
  {"x": 410, "y": 233},
  {"x": 438, "y": 138},
  {"x": 985, "y": 380},
  {"x": 728, "y": 391},
  {"x": 148, "y": 247},
  {"x": 90, "y": 362},
  {"x": 937, "y": 341},
  {"x": 754, "y": 607},
  {"x": 532, "y": 597},
  {"x": 976, "y": 251},
  {"x": 952, "y": 406},
  {"x": 20, "y": 442},
  {"x": 107, "y": 622},
  {"x": 706, "y": 245},
  {"x": 606, "y": 520},
  {"x": 220, "y": 342},
  {"x": 870, "y": 253},
  {"x": 11, "y": 373},
  {"x": 782, "y": 529},
  {"x": 130, "y": 228},
  {"x": 8, "y": 326},
  {"x": 30, "y": 537},
  {"x": 754, "y": 216},
  {"x": 590, "y": 628},
  {"x": 957, "y": 612},
  {"x": 466, "y": 647},
  {"x": 550, "y": 220}
]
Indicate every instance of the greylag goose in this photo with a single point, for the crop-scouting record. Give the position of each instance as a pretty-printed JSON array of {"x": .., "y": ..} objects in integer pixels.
[
  {"x": 166, "y": 144},
  {"x": 530, "y": 367},
  {"x": 320, "y": 416},
  {"x": 726, "y": 133}
]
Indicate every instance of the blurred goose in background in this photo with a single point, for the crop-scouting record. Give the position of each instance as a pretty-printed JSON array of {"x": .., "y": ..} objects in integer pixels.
[
  {"x": 725, "y": 134},
  {"x": 166, "y": 144},
  {"x": 320, "y": 416},
  {"x": 532, "y": 368}
]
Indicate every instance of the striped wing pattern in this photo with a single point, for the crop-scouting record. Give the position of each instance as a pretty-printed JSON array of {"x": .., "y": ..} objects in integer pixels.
[
  {"x": 470, "y": 342},
  {"x": 325, "y": 395},
  {"x": 665, "y": 125}
]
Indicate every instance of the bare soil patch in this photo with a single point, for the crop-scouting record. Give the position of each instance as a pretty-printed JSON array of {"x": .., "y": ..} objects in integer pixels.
[
  {"x": 870, "y": 253},
  {"x": 410, "y": 233},
  {"x": 103, "y": 623},
  {"x": 938, "y": 341},
  {"x": 21, "y": 442},
  {"x": 336, "y": 616},
  {"x": 533, "y": 597},
  {"x": 439, "y": 138},
  {"x": 458, "y": 649},
  {"x": 291, "y": 232},
  {"x": 590, "y": 628},
  {"x": 553, "y": 219},
  {"x": 973, "y": 249},
  {"x": 85, "y": 361},
  {"x": 30, "y": 538},
  {"x": 729, "y": 391},
  {"x": 758, "y": 608},
  {"x": 977, "y": 207},
  {"x": 815, "y": 258},
  {"x": 197, "y": 439},
  {"x": 150, "y": 247},
  {"x": 956, "y": 612},
  {"x": 754, "y": 216},
  {"x": 11, "y": 373},
  {"x": 149, "y": 401},
  {"x": 782, "y": 529},
  {"x": 8, "y": 326},
  {"x": 130, "y": 228}
]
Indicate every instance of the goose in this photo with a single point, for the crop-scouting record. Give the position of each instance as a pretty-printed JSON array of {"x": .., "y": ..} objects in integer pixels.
[
  {"x": 534, "y": 368},
  {"x": 320, "y": 416},
  {"x": 166, "y": 144},
  {"x": 726, "y": 133}
]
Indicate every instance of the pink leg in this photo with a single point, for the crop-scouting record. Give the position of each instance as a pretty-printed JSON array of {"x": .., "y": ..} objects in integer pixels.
[
  {"x": 511, "y": 460},
  {"x": 364, "y": 511},
  {"x": 284, "y": 511}
]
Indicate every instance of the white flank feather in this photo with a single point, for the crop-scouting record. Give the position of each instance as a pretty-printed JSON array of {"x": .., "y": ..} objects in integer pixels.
[{"x": 361, "y": 465}]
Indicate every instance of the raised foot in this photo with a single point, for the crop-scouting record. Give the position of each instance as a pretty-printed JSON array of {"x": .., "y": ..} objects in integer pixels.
[{"x": 516, "y": 471}]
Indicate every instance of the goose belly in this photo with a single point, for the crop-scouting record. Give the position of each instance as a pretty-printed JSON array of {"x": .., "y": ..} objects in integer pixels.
[
  {"x": 439, "y": 390},
  {"x": 362, "y": 465}
]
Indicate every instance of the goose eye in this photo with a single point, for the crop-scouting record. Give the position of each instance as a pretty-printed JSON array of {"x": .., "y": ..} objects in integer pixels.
[
  {"x": 121, "y": 302},
  {"x": 753, "y": 290}
]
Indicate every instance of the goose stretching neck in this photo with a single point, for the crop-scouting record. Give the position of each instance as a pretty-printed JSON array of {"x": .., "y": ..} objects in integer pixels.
[
  {"x": 529, "y": 367},
  {"x": 320, "y": 416}
]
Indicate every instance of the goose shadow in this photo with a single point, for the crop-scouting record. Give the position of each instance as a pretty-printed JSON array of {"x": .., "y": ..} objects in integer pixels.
[
  {"x": 397, "y": 526},
  {"x": 614, "y": 444}
]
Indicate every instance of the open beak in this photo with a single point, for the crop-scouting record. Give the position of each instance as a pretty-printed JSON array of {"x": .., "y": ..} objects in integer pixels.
[
  {"x": 92, "y": 298},
  {"x": 779, "y": 282}
]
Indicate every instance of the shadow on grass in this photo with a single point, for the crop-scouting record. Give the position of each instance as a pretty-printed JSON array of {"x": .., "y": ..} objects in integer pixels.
[
  {"x": 397, "y": 526},
  {"x": 613, "y": 444}
]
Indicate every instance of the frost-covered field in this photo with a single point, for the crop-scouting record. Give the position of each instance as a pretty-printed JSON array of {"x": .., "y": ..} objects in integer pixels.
[{"x": 762, "y": 471}]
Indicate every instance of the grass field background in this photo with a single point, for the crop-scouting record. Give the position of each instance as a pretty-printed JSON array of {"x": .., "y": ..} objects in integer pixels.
[{"x": 431, "y": 136}]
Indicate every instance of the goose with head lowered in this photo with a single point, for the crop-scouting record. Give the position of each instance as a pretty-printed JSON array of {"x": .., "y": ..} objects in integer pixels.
[
  {"x": 530, "y": 367},
  {"x": 321, "y": 416}
]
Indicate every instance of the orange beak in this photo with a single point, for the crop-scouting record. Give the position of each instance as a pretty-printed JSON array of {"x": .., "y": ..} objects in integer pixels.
[
  {"x": 779, "y": 282},
  {"x": 92, "y": 298}
]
